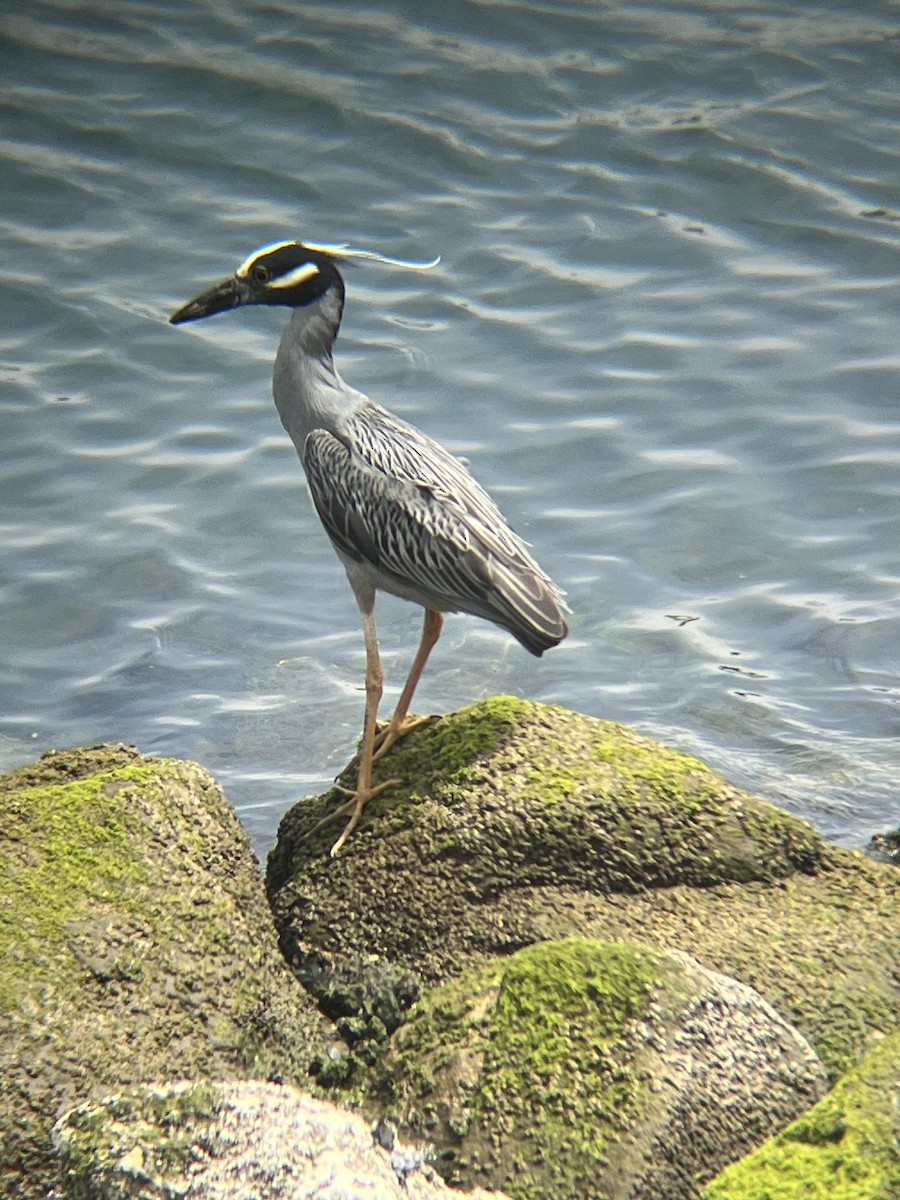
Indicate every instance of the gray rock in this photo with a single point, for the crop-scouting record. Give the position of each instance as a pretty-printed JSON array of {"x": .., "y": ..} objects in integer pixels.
[
  {"x": 732, "y": 1071},
  {"x": 519, "y": 822},
  {"x": 234, "y": 1141},
  {"x": 136, "y": 944},
  {"x": 582, "y": 1069}
]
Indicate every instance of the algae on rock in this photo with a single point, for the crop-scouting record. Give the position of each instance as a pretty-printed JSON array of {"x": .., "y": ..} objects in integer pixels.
[
  {"x": 519, "y": 822},
  {"x": 846, "y": 1148},
  {"x": 580, "y": 1069},
  {"x": 135, "y": 943}
]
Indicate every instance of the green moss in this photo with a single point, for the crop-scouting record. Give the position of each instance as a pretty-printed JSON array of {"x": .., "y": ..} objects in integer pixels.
[
  {"x": 650, "y": 767},
  {"x": 555, "y": 756},
  {"x": 538, "y": 1046},
  {"x": 69, "y": 849},
  {"x": 562, "y": 1006},
  {"x": 162, "y": 1124},
  {"x": 462, "y": 738},
  {"x": 558, "y": 756},
  {"x": 443, "y": 1021},
  {"x": 846, "y": 1148}
]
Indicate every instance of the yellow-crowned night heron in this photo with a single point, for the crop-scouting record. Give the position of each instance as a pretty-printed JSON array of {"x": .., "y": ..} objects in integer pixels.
[{"x": 403, "y": 514}]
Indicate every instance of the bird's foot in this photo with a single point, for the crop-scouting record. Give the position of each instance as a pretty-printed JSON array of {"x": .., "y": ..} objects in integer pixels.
[
  {"x": 389, "y": 734},
  {"x": 357, "y": 800}
]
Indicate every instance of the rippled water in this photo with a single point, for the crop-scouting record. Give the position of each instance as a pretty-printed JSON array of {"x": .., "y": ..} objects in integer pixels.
[{"x": 664, "y": 333}]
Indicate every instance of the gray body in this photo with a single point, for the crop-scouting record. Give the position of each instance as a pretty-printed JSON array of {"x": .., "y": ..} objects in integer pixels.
[{"x": 403, "y": 514}]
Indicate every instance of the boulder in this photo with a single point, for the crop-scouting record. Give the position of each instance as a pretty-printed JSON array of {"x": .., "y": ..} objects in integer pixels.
[
  {"x": 135, "y": 943},
  {"x": 518, "y": 823},
  {"x": 243, "y": 1140},
  {"x": 521, "y": 827},
  {"x": 581, "y": 1070},
  {"x": 846, "y": 1148}
]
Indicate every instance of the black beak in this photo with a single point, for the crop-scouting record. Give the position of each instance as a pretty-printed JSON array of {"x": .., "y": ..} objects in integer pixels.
[{"x": 225, "y": 295}]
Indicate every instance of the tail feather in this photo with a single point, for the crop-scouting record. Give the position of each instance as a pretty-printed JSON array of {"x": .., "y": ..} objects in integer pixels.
[{"x": 530, "y": 605}]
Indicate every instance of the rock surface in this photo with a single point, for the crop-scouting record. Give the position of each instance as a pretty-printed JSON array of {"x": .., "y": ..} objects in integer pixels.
[
  {"x": 518, "y": 824},
  {"x": 235, "y": 1141},
  {"x": 135, "y": 943},
  {"x": 846, "y": 1148},
  {"x": 581, "y": 1069}
]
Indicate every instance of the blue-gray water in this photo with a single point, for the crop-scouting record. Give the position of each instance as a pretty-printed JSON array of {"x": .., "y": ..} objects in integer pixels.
[{"x": 664, "y": 333}]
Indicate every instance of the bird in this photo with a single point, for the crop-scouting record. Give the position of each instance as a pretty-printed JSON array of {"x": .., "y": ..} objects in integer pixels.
[{"x": 404, "y": 515}]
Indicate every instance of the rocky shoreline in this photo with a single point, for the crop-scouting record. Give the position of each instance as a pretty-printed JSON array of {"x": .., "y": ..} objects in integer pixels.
[{"x": 561, "y": 960}]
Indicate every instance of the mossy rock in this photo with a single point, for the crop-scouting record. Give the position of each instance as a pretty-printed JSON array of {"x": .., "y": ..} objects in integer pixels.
[
  {"x": 146, "y": 1136},
  {"x": 519, "y": 822},
  {"x": 135, "y": 943},
  {"x": 509, "y": 794},
  {"x": 506, "y": 791},
  {"x": 587, "y": 1070},
  {"x": 846, "y": 1148}
]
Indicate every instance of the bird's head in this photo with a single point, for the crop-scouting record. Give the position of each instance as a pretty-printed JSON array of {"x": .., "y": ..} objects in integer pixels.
[{"x": 294, "y": 274}]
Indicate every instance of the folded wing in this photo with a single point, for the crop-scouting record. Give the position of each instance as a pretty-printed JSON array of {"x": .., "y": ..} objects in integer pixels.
[{"x": 391, "y": 497}]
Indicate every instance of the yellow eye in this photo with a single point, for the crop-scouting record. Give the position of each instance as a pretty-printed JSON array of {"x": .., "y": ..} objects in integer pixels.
[{"x": 262, "y": 275}]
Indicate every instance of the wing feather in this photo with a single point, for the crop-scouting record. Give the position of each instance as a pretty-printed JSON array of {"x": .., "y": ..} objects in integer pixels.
[{"x": 391, "y": 497}]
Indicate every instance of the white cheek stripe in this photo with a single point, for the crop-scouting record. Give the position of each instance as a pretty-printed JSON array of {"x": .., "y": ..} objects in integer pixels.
[
  {"x": 244, "y": 269},
  {"x": 292, "y": 278}
]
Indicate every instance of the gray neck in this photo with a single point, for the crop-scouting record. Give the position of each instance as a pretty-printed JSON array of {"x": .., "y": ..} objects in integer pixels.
[{"x": 309, "y": 393}]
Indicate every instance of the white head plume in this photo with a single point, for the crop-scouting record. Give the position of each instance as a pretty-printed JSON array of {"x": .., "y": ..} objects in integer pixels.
[{"x": 341, "y": 250}]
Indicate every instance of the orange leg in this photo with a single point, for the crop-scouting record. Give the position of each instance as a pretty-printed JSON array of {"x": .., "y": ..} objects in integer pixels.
[
  {"x": 400, "y": 725},
  {"x": 364, "y": 791}
]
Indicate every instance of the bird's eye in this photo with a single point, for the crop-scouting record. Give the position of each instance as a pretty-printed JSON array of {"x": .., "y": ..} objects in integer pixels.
[{"x": 262, "y": 275}]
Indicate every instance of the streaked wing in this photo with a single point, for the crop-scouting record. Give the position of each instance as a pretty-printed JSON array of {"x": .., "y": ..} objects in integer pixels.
[
  {"x": 392, "y": 497},
  {"x": 401, "y": 451}
]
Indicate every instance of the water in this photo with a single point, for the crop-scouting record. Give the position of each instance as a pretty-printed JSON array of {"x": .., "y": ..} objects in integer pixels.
[{"x": 664, "y": 333}]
